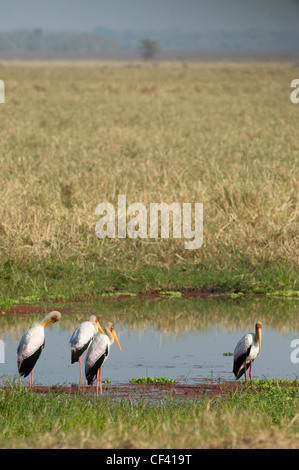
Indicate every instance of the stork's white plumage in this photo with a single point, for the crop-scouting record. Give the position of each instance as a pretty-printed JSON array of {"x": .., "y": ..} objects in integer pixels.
[
  {"x": 81, "y": 338},
  {"x": 246, "y": 351},
  {"x": 98, "y": 353},
  {"x": 32, "y": 343}
]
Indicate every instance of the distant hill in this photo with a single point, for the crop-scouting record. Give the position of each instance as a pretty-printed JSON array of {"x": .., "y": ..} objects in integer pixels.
[{"x": 105, "y": 43}]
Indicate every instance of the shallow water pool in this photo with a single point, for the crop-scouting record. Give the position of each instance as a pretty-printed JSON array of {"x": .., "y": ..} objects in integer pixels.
[{"x": 183, "y": 339}]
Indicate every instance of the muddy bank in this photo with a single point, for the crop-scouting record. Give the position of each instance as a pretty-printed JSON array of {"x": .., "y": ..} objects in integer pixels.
[{"x": 152, "y": 391}]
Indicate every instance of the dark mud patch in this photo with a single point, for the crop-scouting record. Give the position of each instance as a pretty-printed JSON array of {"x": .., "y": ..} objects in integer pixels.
[
  {"x": 158, "y": 393},
  {"x": 32, "y": 310},
  {"x": 147, "y": 392}
]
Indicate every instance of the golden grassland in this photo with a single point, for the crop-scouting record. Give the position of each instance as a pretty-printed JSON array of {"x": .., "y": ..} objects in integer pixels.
[{"x": 74, "y": 135}]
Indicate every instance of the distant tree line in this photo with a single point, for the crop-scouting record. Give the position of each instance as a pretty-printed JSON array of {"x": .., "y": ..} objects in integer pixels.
[
  {"x": 36, "y": 41},
  {"x": 39, "y": 43}
]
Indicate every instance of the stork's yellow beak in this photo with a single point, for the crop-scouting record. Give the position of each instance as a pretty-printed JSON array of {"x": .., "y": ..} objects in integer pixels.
[
  {"x": 100, "y": 328},
  {"x": 116, "y": 339},
  {"x": 51, "y": 318},
  {"x": 50, "y": 322},
  {"x": 259, "y": 335}
]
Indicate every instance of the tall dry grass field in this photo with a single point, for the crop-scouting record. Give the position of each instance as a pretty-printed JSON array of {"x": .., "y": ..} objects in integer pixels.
[{"x": 74, "y": 135}]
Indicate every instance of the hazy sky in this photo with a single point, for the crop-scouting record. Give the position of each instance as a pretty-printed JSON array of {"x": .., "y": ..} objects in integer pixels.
[{"x": 139, "y": 15}]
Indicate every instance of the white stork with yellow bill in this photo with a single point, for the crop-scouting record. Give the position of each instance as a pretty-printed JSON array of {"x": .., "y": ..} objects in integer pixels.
[
  {"x": 246, "y": 351},
  {"x": 32, "y": 343},
  {"x": 81, "y": 338},
  {"x": 98, "y": 353}
]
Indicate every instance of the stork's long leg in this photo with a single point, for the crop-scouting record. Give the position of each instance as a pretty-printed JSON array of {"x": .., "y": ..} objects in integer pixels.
[
  {"x": 85, "y": 361},
  {"x": 98, "y": 382},
  {"x": 80, "y": 362},
  {"x": 31, "y": 379},
  {"x": 101, "y": 380}
]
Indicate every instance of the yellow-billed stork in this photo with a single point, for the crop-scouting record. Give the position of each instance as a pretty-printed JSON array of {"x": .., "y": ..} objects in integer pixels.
[
  {"x": 81, "y": 338},
  {"x": 246, "y": 351},
  {"x": 32, "y": 343},
  {"x": 98, "y": 353}
]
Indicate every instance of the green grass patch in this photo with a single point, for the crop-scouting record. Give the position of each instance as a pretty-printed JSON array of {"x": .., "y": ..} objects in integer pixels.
[
  {"x": 264, "y": 415},
  {"x": 51, "y": 279},
  {"x": 148, "y": 380}
]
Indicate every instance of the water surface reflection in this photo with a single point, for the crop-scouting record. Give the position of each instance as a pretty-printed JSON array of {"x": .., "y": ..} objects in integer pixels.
[{"x": 183, "y": 339}]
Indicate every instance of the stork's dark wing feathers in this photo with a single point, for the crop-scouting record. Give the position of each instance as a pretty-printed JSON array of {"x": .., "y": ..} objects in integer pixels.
[
  {"x": 26, "y": 366},
  {"x": 238, "y": 370},
  {"x": 76, "y": 353},
  {"x": 93, "y": 370}
]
